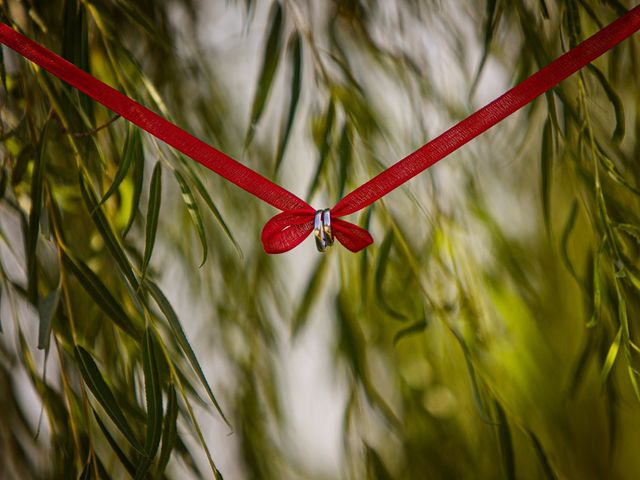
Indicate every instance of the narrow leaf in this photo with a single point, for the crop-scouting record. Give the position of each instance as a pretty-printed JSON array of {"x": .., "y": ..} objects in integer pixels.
[
  {"x": 105, "y": 230},
  {"x": 295, "y": 57},
  {"x": 610, "y": 359},
  {"x": 137, "y": 153},
  {"x": 115, "y": 446},
  {"x": 181, "y": 337},
  {"x": 96, "y": 383},
  {"x": 100, "y": 294},
  {"x": 132, "y": 147},
  {"x": 47, "y": 308},
  {"x": 194, "y": 212},
  {"x": 37, "y": 185},
  {"x": 169, "y": 431},
  {"x": 153, "y": 212},
  {"x": 549, "y": 473},
  {"x": 325, "y": 145},
  {"x": 310, "y": 294},
  {"x": 380, "y": 271},
  {"x": 546, "y": 164},
  {"x": 271, "y": 58},
  {"x": 153, "y": 394},
  {"x": 506, "y": 443}
]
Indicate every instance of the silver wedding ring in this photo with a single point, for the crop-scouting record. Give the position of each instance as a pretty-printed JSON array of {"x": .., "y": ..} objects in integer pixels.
[{"x": 322, "y": 230}]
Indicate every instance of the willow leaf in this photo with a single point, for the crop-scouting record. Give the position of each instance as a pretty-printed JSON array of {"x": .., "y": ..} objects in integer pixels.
[
  {"x": 313, "y": 288},
  {"x": 325, "y": 146},
  {"x": 416, "y": 327},
  {"x": 506, "y": 443},
  {"x": 92, "y": 284},
  {"x": 138, "y": 180},
  {"x": 169, "y": 432},
  {"x": 153, "y": 394},
  {"x": 610, "y": 359},
  {"x": 549, "y": 473},
  {"x": 104, "y": 228},
  {"x": 181, "y": 337},
  {"x": 380, "y": 271},
  {"x": 271, "y": 58},
  {"x": 128, "y": 465},
  {"x": 153, "y": 212},
  {"x": 295, "y": 53},
  {"x": 546, "y": 165},
  {"x": 37, "y": 186},
  {"x": 194, "y": 213},
  {"x": 47, "y": 308},
  {"x": 96, "y": 383},
  {"x": 132, "y": 147}
]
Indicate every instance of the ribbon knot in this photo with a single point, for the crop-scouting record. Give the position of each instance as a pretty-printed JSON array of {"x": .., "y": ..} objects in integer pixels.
[{"x": 289, "y": 228}]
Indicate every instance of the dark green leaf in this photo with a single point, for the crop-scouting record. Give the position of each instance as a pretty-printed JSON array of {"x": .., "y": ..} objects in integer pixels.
[
  {"x": 4, "y": 180},
  {"x": 376, "y": 469},
  {"x": 47, "y": 308},
  {"x": 492, "y": 16},
  {"x": 116, "y": 447},
  {"x": 37, "y": 186},
  {"x": 549, "y": 473},
  {"x": 193, "y": 175},
  {"x": 153, "y": 393},
  {"x": 153, "y": 213},
  {"x": 271, "y": 58},
  {"x": 566, "y": 234},
  {"x": 137, "y": 152},
  {"x": 506, "y": 443},
  {"x": 181, "y": 337},
  {"x": 132, "y": 147},
  {"x": 546, "y": 165},
  {"x": 100, "y": 294},
  {"x": 169, "y": 431},
  {"x": 104, "y": 228},
  {"x": 96, "y": 383},
  {"x": 295, "y": 53},
  {"x": 194, "y": 212}
]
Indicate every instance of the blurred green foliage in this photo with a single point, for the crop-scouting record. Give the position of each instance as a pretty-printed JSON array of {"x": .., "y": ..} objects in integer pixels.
[{"x": 492, "y": 330}]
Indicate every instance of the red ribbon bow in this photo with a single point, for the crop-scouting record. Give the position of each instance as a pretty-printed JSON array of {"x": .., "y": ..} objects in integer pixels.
[{"x": 287, "y": 229}]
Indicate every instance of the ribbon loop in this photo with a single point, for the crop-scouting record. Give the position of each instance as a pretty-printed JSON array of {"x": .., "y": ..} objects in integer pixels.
[{"x": 288, "y": 229}]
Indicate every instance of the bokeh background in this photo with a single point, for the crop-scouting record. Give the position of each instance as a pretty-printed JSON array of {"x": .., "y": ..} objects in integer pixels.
[{"x": 491, "y": 331}]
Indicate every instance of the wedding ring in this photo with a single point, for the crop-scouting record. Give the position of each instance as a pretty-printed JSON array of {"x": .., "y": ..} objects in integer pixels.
[{"x": 322, "y": 230}]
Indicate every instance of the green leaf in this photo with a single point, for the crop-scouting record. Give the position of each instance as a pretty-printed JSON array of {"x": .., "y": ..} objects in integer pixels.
[
  {"x": 492, "y": 16},
  {"x": 137, "y": 152},
  {"x": 132, "y": 147},
  {"x": 610, "y": 359},
  {"x": 416, "y": 327},
  {"x": 506, "y": 443},
  {"x": 194, "y": 212},
  {"x": 380, "y": 271},
  {"x": 313, "y": 288},
  {"x": 153, "y": 212},
  {"x": 37, "y": 186},
  {"x": 271, "y": 58},
  {"x": 104, "y": 228},
  {"x": 169, "y": 432},
  {"x": 115, "y": 446},
  {"x": 325, "y": 145},
  {"x": 47, "y": 308},
  {"x": 294, "y": 49},
  {"x": 546, "y": 164},
  {"x": 376, "y": 468},
  {"x": 181, "y": 337},
  {"x": 92, "y": 284},
  {"x": 96, "y": 383},
  {"x": 153, "y": 394},
  {"x": 616, "y": 102},
  {"x": 566, "y": 234},
  {"x": 193, "y": 175},
  {"x": 549, "y": 473}
]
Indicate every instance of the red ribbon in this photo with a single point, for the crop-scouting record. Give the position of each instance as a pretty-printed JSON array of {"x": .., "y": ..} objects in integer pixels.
[{"x": 287, "y": 229}]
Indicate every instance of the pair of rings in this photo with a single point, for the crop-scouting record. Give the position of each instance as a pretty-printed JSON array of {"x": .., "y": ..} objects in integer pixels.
[{"x": 322, "y": 230}]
